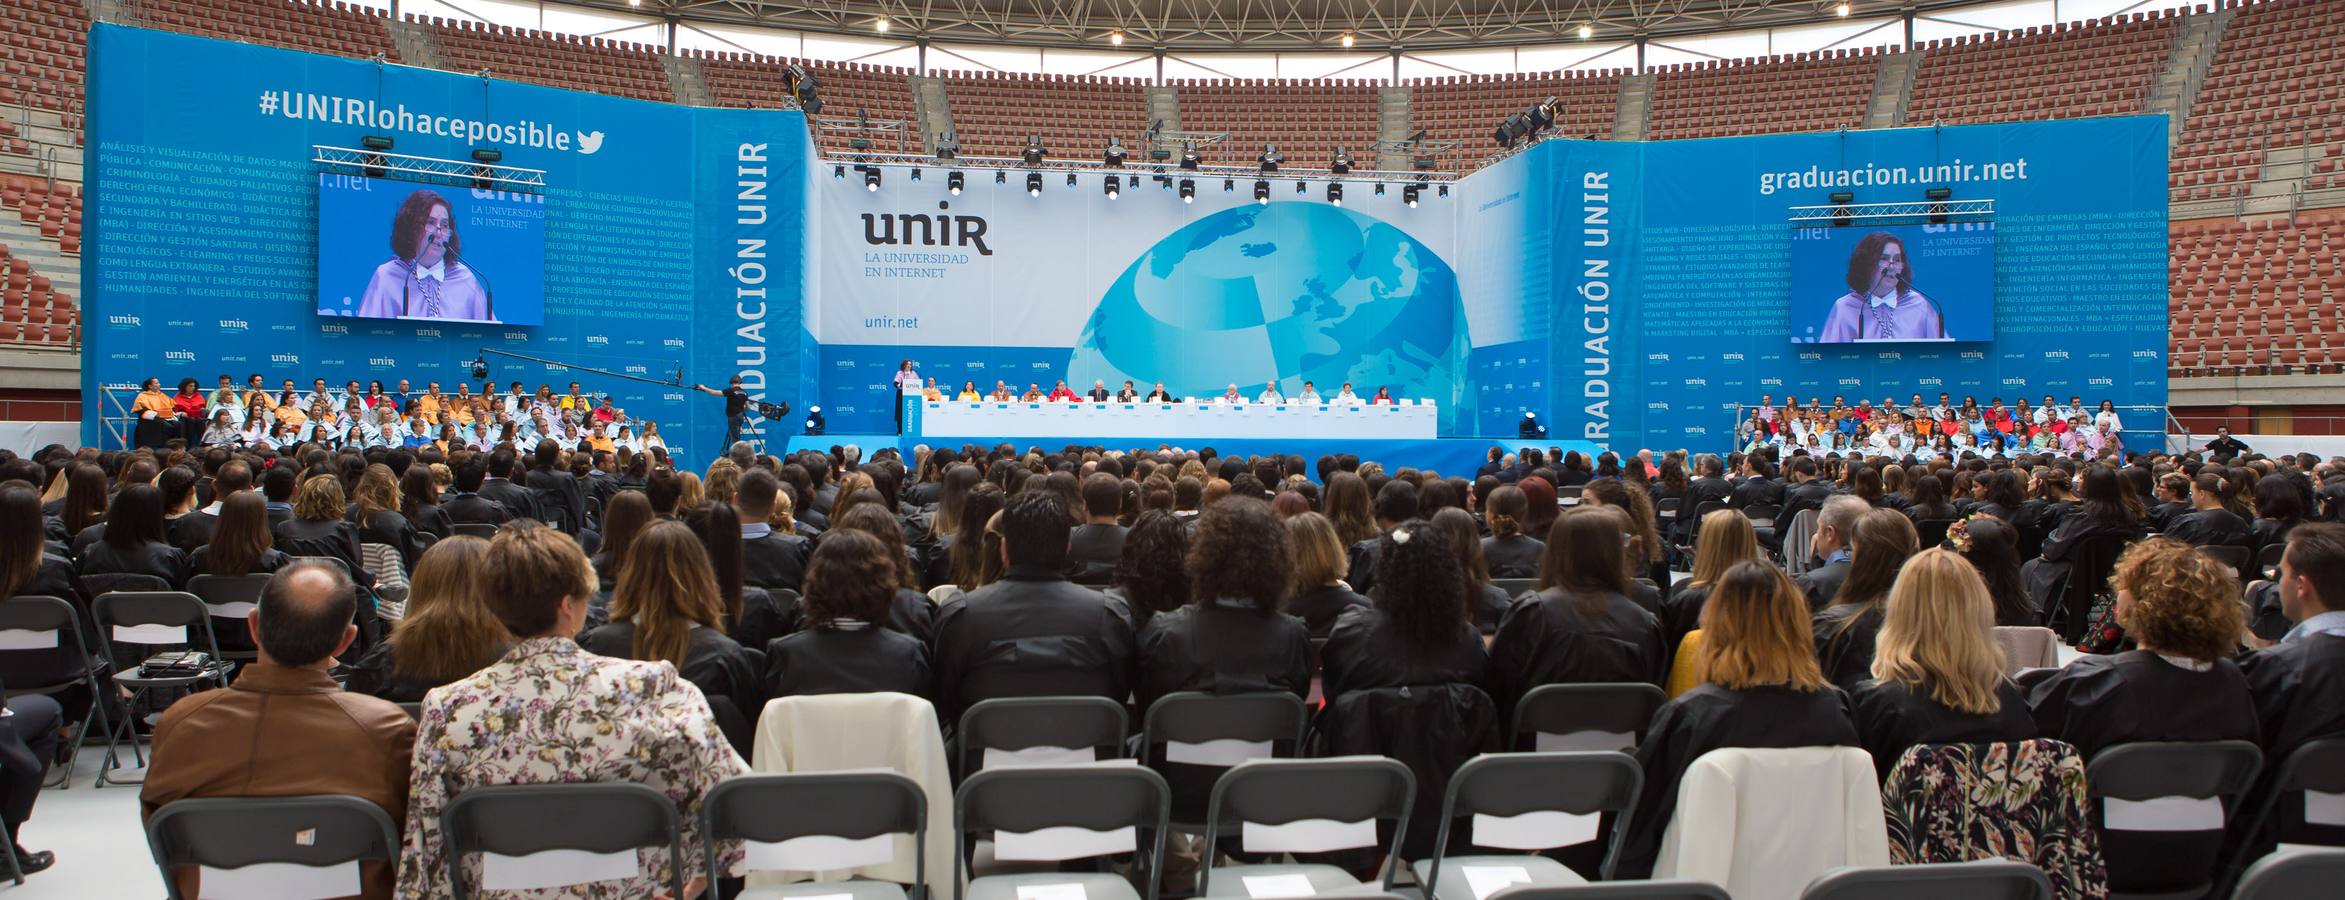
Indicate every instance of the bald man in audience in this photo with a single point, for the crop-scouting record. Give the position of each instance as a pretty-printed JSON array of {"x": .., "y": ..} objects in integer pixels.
[{"x": 285, "y": 729}]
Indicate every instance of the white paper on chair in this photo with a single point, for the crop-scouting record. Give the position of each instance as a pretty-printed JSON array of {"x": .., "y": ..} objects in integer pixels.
[
  {"x": 1225, "y": 752},
  {"x": 21, "y": 639},
  {"x": 996, "y": 757},
  {"x": 282, "y": 881},
  {"x": 825, "y": 897},
  {"x": 2163, "y": 814},
  {"x": 553, "y": 868},
  {"x": 1487, "y": 880},
  {"x": 1062, "y": 842},
  {"x": 1308, "y": 836},
  {"x": 1270, "y": 887},
  {"x": 1051, "y": 891},
  {"x": 1536, "y": 830},
  {"x": 1586, "y": 740},
  {"x": 819, "y": 853},
  {"x": 150, "y": 634},
  {"x": 2322, "y": 808}
]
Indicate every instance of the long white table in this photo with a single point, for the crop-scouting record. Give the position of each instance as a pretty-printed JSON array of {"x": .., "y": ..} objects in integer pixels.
[{"x": 1165, "y": 421}]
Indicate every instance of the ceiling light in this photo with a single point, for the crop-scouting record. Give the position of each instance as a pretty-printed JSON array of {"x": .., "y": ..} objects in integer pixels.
[
  {"x": 1262, "y": 192},
  {"x": 1113, "y": 187},
  {"x": 1335, "y": 193},
  {"x": 1347, "y": 41},
  {"x": 953, "y": 183},
  {"x": 1033, "y": 184},
  {"x": 1188, "y": 190},
  {"x": 1587, "y": 32},
  {"x": 880, "y": 25},
  {"x": 1116, "y": 38},
  {"x": 1841, "y": 10},
  {"x": 871, "y": 178}
]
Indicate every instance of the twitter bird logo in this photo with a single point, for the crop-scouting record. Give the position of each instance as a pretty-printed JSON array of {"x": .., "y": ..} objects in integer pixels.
[{"x": 589, "y": 142}]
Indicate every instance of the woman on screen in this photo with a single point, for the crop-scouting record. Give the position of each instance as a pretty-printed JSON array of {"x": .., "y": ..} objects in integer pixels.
[
  {"x": 426, "y": 277},
  {"x": 1881, "y": 304}
]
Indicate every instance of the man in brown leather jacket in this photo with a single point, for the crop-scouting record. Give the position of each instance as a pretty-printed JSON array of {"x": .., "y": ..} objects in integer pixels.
[{"x": 284, "y": 728}]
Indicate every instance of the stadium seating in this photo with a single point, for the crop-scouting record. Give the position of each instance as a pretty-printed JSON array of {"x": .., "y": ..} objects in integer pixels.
[
  {"x": 1467, "y": 108},
  {"x": 2277, "y": 82},
  {"x": 993, "y": 114},
  {"x": 316, "y": 27},
  {"x": 41, "y": 49},
  {"x": 1306, "y": 119},
  {"x": 564, "y": 61},
  {"x": 2070, "y": 71},
  {"x": 1771, "y": 96},
  {"x": 884, "y": 93},
  {"x": 2256, "y": 297}
]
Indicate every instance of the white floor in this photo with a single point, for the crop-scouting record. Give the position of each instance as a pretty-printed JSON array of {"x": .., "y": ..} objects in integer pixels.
[{"x": 101, "y": 850}]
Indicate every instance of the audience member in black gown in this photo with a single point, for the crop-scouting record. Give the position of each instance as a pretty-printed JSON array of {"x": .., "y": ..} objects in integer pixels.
[
  {"x": 845, "y": 646},
  {"x": 447, "y": 633},
  {"x": 1581, "y": 627},
  {"x": 2173, "y": 501},
  {"x": 1726, "y": 537},
  {"x": 1937, "y": 675},
  {"x": 627, "y": 515},
  {"x": 465, "y": 505},
  {"x": 1096, "y": 546},
  {"x": 2210, "y": 520},
  {"x": 2279, "y": 508},
  {"x": 1230, "y": 638},
  {"x": 133, "y": 542},
  {"x": 910, "y": 612},
  {"x": 1070, "y": 640},
  {"x": 1416, "y": 630},
  {"x": 319, "y": 529},
  {"x": 1834, "y": 524},
  {"x": 28, "y": 570},
  {"x": 2181, "y": 685},
  {"x": 1760, "y": 688},
  {"x": 1318, "y": 596},
  {"x": 2299, "y": 683},
  {"x": 770, "y": 559},
  {"x": 1152, "y": 575},
  {"x": 375, "y": 508},
  {"x": 1928, "y": 500},
  {"x": 2106, "y": 511},
  {"x": 1509, "y": 552},
  {"x": 667, "y": 608},
  {"x": 84, "y": 503},
  {"x": 194, "y": 530},
  {"x": 1992, "y": 547},
  {"x": 419, "y": 501},
  {"x": 1845, "y": 631},
  {"x": 1485, "y": 602},
  {"x": 756, "y": 615}
]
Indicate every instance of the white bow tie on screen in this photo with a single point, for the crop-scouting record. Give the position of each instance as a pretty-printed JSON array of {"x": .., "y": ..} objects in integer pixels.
[
  {"x": 436, "y": 272},
  {"x": 1889, "y": 301}
]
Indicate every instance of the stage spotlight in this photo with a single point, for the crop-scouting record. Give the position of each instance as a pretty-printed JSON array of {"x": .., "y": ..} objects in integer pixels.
[
  {"x": 1070, "y": 179},
  {"x": 1113, "y": 187},
  {"x": 1033, "y": 153},
  {"x": 1301, "y": 186},
  {"x": 1541, "y": 115},
  {"x": 1001, "y": 177},
  {"x": 1270, "y": 158},
  {"x": 871, "y": 178},
  {"x": 948, "y": 145},
  {"x": 1587, "y": 32},
  {"x": 1189, "y": 158},
  {"x": 814, "y": 420},
  {"x": 838, "y": 171},
  {"x": 1348, "y": 40},
  {"x": 1033, "y": 184},
  {"x": 1380, "y": 189},
  {"x": 1342, "y": 163},
  {"x": 1228, "y": 185},
  {"x": 1188, "y": 191},
  {"x": 953, "y": 183},
  {"x": 1937, "y": 198},
  {"x": 480, "y": 366},
  {"x": 1444, "y": 191},
  {"x": 374, "y": 161},
  {"x": 483, "y": 176},
  {"x": 1116, "y": 38},
  {"x": 1114, "y": 155},
  {"x": 880, "y": 25},
  {"x": 1408, "y": 194},
  {"x": 801, "y": 85},
  {"x": 1335, "y": 193},
  {"x": 915, "y": 175},
  {"x": 1841, "y": 216},
  {"x": 1261, "y": 192},
  {"x": 1842, "y": 10}
]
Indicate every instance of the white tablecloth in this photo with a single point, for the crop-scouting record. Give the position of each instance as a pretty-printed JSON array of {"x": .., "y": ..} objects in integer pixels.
[{"x": 1167, "y": 421}]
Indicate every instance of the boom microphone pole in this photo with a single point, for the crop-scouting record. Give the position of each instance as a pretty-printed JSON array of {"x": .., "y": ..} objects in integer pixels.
[{"x": 677, "y": 381}]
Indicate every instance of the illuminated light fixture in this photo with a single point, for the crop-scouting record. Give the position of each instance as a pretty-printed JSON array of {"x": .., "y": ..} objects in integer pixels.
[
  {"x": 634, "y": 2},
  {"x": 1335, "y": 193},
  {"x": 1188, "y": 191},
  {"x": 1841, "y": 10},
  {"x": 880, "y": 25},
  {"x": 801, "y": 85},
  {"x": 1113, "y": 187},
  {"x": 953, "y": 183},
  {"x": 1189, "y": 158},
  {"x": 1114, "y": 155},
  {"x": 1301, "y": 186},
  {"x": 871, "y": 178},
  {"x": 1587, "y": 32},
  {"x": 1001, "y": 177},
  {"x": 1116, "y": 38},
  {"x": 916, "y": 175},
  {"x": 1342, "y": 163},
  {"x": 838, "y": 171},
  {"x": 1444, "y": 190},
  {"x": 1380, "y": 189},
  {"x": 1070, "y": 179},
  {"x": 1347, "y": 40},
  {"x": 1270, "y": 158},
  {"x": 1262, "y": 192},
  {"x": 1033, "y": 153},
  {"x": 1228, "y": 185},
  {"x": 1409, "y": 193},
  {"x": 1033, "y": 184}
]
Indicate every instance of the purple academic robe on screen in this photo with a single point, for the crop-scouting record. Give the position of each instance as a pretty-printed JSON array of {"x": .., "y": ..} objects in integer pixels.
[
  {"x": 1910, "y": 317},
  {"x": 402, "y": 290}
]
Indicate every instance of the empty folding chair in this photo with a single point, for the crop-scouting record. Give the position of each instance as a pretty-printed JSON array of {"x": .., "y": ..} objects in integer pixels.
[
  {"x": 271, "y": 846},
  {"x": 2294, "y": 875},
  {"x": 1624, "y": 890},
  {"x": 2162, "y": 809},
  {"x": 1055, "y": 814},
  {"x": 2028, "y": 647},
  {"x": 1192, "y": 737},
  {"x": 1584, "y": 716},
  {"x": 1305, "y": 806},
  {"x": 2300, "y": 805},
  {"x": 1530, "y": 803},
  {"x": 603, "y": 825},
  {"x": 43, "y": 634},
  {"x": 1038, "y": 731},
  {"x": 231, "y": 599},
  {"x": 145, "y": 622},
  {"x": 1983, "y": 880},
  {"x": 819, "y": 822}
]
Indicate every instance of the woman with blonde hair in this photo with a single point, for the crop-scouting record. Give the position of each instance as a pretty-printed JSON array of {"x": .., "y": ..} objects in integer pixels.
[
  {"x": 1760, "y": 688},
  {"x": 690, "y": 493},
  {"x": 667, "y": 609},
  {"x": 1937, "y": 670},
  {"x": 447, "y": 634},
  {"x": 1319, "y": 595},
  {"x": 1726, "y": 537},
  {"x": 722, "y": 476}
]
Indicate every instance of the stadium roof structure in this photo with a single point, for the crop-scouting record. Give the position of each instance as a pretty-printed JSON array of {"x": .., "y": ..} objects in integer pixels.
[{"x": 1266, "y": 25}]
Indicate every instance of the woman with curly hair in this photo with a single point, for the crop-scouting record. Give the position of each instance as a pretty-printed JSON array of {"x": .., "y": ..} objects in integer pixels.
[
  {"x": 2183, "y": 611},
  {"x": 1230, "y": 637},
  {"x": 844, "y": 646},
  {"x": 1152, "y": 574},
  {"x": 1416, "y": 630}
]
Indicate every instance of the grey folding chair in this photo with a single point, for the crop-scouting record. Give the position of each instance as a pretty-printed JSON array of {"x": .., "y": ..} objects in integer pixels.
[
  {"x": 783, "y": 820},
  {"x": 2315, "y": 766},
  {"x": 1527, "y": 803},
  {"x": 45, "y": 632},
  {"x": 225, "y": 834},
  {"x": 2294, "y": 875},
  {"x": 1620, "y": 890},
  {"x": 231, "y": 599},
  {"x": 413, "y": 710},
  {"x": 1992, "y": 879},
  {"x": 1191, "y": 737},
  {"x": 521, "y": 819},
  {"x": 1012, "y": 731},
  {"x": 1056, "y": 814},
  {"x": 2169, "y": 773},
  {"x": 1270, "y": 805},
  {"x": 148, "y": 621},
  {"x": 1585, "y": 716}
]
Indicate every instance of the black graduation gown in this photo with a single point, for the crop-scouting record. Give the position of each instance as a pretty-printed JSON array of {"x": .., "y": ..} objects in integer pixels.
[
  {"x": 1222, "y": 648},
  {"x": 1708, "y": 718},
  {"x": 1892, "y": 717},
  {"x": 1320, "y": 607},
  {"x": 2299, "y": 690},
  {"x": 1362, "y": 652},
  {"x": 1844, "y": 648},
  {"x": 1513, "y": 557},
  {"x": 2208, "y": 527},
  {"x": 1682, "y": 612},
  {"x": 846, "y": 658},
  {"x": 1546, "y": 639}
]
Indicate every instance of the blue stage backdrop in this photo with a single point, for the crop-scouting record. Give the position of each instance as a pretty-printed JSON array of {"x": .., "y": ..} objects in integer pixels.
[
  {"x": 674, "y": 237},
  {"x": 1631, "y": 292}
]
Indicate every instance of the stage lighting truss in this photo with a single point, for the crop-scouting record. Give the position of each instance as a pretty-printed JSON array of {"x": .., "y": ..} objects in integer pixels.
[
  {"x": 1167, "y": 174},
  {"x": 452, "y": 172},
  {"x": 1188, "y": 190},
  {"x": 1951, "y": 210}
]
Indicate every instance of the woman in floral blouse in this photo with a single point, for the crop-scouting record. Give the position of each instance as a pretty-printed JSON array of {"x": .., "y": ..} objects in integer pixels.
[{"x": 549, "y": 712}]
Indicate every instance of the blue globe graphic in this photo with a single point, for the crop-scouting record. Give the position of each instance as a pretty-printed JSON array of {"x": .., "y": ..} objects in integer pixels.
[{"x": 1291, "y": 292}]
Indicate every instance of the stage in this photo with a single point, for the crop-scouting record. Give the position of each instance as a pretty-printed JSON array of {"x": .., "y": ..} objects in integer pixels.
[{"x": 1449, "y": 456}]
